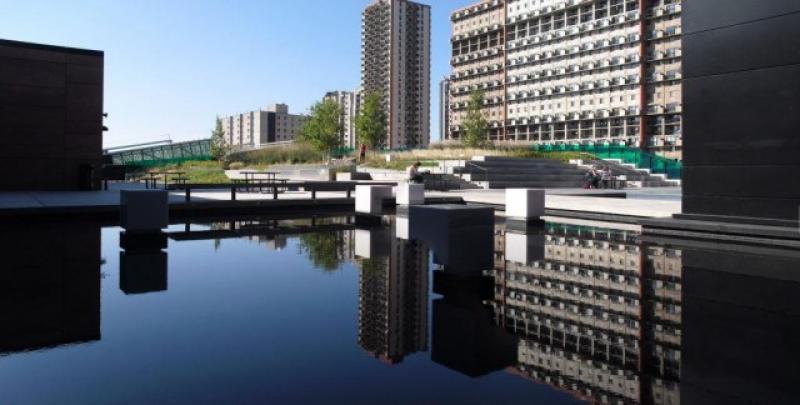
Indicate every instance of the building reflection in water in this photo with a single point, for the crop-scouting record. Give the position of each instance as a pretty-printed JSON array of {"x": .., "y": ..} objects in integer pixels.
[
  {"x": 393, "y": 294},
  {"x": 143, "y": 263},
  {"x": 49, "y": 285},
  {"x": 578, "y": 311},
  {"x": 741, "y": 323}
]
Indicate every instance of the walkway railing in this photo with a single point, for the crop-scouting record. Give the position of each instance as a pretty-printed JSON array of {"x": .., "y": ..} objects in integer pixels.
[
  {"x": 485, "y": 170},
  {"x": 643, "y": 160},
  {"x": 149, "y": 156}
]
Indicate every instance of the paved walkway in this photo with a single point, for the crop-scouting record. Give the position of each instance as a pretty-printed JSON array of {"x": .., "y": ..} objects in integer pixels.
[
  {"x": 565, "y": 199},
  {"x": 653, "y": 204}
]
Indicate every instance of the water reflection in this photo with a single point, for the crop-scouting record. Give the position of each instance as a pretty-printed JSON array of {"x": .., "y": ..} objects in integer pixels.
[
  {"x": 581, "y": 311},
  {"x": 143, "y": 263},
  {"x": 597, "y": 311},
  {"x": 465, "y": 337},
  {"x": 393, "y": 294},
  {"x": 600, "y": 313},
  {"x": 49, "y": 285}
]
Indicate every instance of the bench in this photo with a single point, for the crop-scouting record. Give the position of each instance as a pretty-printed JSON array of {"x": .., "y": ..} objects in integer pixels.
[{"x": 274, "y": 187}]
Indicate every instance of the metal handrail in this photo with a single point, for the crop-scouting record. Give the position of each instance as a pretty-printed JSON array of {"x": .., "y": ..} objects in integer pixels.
[{"x": 485, "y": 170}]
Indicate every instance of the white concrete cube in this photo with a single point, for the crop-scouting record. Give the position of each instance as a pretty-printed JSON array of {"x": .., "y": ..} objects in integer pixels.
[
  {"x": 524, "y": 204},
  {"x": 143, "y": 211},
  {"x": 410, "y": 194},
  {"x": 369, "y": 199}
]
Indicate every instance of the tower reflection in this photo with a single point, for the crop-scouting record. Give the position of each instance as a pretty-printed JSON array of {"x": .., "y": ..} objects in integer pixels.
[{"x": 393, "y": 294}]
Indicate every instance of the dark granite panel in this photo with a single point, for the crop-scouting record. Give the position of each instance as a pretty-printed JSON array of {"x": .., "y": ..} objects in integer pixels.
[
  {"x": 699, "y": 15},
  {"x": 85, "y": 59},
  {"x": 83, "y": 127},
  {"x": 755, "y": 112},
  {"x": 778, "y": 208},
  {"x": 38, "y": 96},
  {"x": 743, "y": 181},
  {"x": 704, "y": 153},
  {"x": 44, "y": 55},
  {"x": 756, "y": 45},
  {"x": 24, "y": 46},
  {"x": 84, "y": 102},
  {"x": 741, "y": 273},
  {"x": 54, "y": 298},
  {"x": 51, "y": 105},
  {"x": 72, "y": 171},
  {"x": 85, "y": 74},
  {"x": 31, "y": 125},
  {"x": 24, "y": 72},
  {"x": 32, "y": 174},
  {"x": 738, "y": 330},
  {"x": 21, "y": 150}
]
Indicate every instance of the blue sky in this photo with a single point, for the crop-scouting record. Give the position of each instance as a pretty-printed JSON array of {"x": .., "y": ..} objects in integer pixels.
[{"x": 173, "y": 65}]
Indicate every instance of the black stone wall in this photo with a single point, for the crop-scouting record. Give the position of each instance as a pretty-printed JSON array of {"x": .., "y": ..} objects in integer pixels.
[
  {"x": 51, "y": 106},
  {"x": 49, "y": 285},
  {"x": 740, "y": 327},
  {"x": 741, "y": 97}
]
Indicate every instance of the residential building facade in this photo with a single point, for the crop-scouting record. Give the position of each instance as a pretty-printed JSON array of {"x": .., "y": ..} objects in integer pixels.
[
  {"x": 567, "y": 72},
  {"x": 444, "y": 108},
  {"x": 262, "y": 127},
  {"x": 395, "y": 63},
  {"x": 350, "y": 103}
]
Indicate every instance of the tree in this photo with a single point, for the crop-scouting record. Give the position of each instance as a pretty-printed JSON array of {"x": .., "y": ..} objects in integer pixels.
[
  {"x": 323, "y": 249},
  {"x": 218, "y": 146},
  {"x": 475, "y": 125},
  {"x": 322, "y": 130},
  {"x": 371, "y": 121}
]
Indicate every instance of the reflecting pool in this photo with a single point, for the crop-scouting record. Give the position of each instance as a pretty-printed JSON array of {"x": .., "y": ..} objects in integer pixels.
[{"x": 330, "y": 309}]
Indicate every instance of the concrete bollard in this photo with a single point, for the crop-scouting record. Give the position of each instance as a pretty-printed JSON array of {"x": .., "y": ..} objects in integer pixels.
[
  {"x": 144, "y": 211},
  {"x": 524, "y": 204},
  {"x": 410, "y": 194},
  {"x": 369, "y": 199}
]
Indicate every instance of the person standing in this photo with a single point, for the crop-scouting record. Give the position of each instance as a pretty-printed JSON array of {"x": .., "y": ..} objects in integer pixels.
[
  {"x": 362, "y": 153},
  {"x": 606, "y": 177}
]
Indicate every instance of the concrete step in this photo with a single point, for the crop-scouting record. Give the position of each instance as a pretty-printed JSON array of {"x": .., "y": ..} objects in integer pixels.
[
  {"x": 523, "y": 177},
  {"x": 510, "y": 159},
  {"x": 534, "y": 184},
  {"x": 529, "y": 172}
]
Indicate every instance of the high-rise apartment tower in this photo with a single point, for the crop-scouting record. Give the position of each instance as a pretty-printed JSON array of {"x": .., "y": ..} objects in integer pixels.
[{"x": 395, "y": 63}]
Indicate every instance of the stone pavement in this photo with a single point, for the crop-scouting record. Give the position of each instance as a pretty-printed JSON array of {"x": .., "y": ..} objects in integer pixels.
[
  {"x": 664, "y": 204},
  {"x": 568, "y": 199}
]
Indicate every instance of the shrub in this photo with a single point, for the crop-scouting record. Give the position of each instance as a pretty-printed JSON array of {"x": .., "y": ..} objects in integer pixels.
[
  {"x": 237, "y": 166},
  {"x": 295, "y": 153}
]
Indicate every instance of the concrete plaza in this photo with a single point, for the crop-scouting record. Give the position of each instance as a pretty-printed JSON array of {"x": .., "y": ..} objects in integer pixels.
[{"x": 655, "y": 203}]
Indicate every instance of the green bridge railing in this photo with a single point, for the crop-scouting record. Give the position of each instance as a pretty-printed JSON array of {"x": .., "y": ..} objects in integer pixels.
[
  {"x": 163, "y": 154},
  {"x": 641, "y": 159}
]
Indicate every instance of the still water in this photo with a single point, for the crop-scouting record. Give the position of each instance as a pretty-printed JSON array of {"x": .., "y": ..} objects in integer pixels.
[{"x": 323, "y": 310}]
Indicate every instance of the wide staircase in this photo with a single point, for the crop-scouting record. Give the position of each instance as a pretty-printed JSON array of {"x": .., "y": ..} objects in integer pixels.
[
  {"x": 496, "y": 172},
  {"x": 634, "y": 176}
]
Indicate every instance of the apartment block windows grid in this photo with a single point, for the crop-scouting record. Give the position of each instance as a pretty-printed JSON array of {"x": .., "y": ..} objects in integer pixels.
[{"x": 590, "y": 71}]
